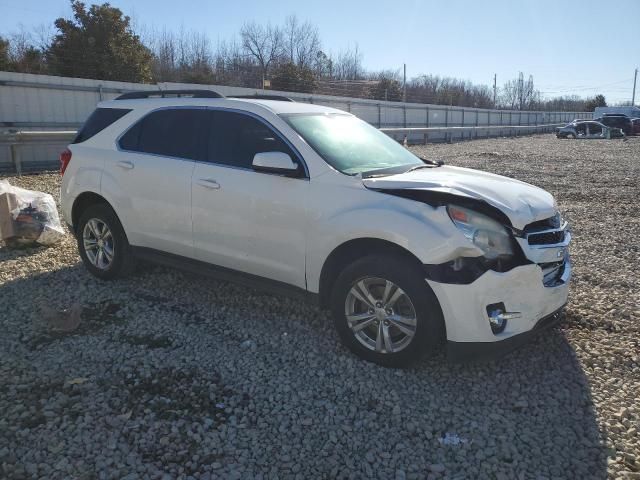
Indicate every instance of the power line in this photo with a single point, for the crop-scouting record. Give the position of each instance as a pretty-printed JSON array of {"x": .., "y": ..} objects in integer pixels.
[{"x": 578, "y": 88}]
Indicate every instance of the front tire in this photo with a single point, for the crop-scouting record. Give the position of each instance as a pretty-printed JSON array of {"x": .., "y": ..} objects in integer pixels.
[
  {"x": 385, "y": 312},
  {"x": 103, "y": 244}
]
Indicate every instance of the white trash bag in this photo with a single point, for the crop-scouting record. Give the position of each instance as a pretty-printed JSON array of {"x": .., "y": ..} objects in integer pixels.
[{"x": 27, "y": 216}]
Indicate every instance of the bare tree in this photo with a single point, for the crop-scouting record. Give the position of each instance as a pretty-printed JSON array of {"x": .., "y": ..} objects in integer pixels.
[
  {"x": 349, "y": 65},
  {"x": 42, "y": 36},
  {"x": 518, "y": 94},
  {"x": 184, "y": 57},
  {"x": 448, "y": 91},
  {"x": 22, "y": 53},
  {"x": 163, "y": 44},
  {"x": 264, "y": 44},
  {"x": 234, "y": 67},
  {"x": 195, "y": 57},
  {"x": 301, "y": 42}
]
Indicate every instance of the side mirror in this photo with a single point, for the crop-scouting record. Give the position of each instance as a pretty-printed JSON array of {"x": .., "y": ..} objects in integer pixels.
[{"x": 275, "y": 162}]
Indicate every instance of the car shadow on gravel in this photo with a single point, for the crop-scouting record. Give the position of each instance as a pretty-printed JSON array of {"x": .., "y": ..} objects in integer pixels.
[{"x": 533, "y": 407}]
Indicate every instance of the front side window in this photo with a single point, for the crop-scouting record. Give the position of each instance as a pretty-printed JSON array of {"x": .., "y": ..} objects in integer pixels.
[
  {"x": 235, "y": 138},
  {"x": 351, "y": 145},
  {"x": 169, "y": 132}
]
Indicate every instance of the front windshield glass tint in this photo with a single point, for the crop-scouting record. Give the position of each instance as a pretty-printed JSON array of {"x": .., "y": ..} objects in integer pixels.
[{"x": 349, "y": 144}]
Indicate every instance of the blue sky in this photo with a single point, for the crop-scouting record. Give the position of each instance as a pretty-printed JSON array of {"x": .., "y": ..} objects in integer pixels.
[{"x": 569, "y": 46}]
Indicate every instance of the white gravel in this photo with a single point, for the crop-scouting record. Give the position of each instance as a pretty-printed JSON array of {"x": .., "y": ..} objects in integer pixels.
[{"x": 171, "y": 375}]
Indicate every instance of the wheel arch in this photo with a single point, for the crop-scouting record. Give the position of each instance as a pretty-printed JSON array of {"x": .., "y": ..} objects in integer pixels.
[
  {"x": 84, "y": 201},
  {"x": 350, "y": 251}
]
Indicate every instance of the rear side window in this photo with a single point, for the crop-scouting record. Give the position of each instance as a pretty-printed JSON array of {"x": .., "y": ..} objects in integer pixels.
[
  {"x": 100, "y": 119},
  {"x": 169, "y": 132},
  {"x": 235, "y": 138}
]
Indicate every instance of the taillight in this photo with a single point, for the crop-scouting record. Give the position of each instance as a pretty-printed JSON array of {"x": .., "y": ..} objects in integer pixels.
[{"x": 65, "y": 158}]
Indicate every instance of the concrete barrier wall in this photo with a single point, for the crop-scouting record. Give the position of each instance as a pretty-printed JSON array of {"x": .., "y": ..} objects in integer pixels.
[{"x": 37, "y": 102}]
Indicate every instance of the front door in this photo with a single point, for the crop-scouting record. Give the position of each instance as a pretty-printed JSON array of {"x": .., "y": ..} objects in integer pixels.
[
  {"x": 245, "y": 220},
  {"x": 594, "y": 130}
]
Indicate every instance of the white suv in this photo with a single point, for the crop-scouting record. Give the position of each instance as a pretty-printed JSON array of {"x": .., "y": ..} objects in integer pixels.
[{"x": 310, "y": 200}]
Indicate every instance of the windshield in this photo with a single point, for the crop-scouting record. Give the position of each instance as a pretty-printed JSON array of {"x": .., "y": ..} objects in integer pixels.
[{"x": 351, "y": 145}]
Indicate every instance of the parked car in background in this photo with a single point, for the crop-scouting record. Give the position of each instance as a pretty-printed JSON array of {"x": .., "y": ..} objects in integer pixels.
[
  {"x": 311, "y": 200},
  {"x": 631, "y": 112},
  {"x": 576, "y": 120},
  {"x": 588, "y": 129},
  {"x": 617, "y": 121}
]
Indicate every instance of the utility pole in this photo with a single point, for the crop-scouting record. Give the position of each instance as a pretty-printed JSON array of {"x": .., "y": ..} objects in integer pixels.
[
  {"x": 633, "y": 98},
  {"x": 520, "y": 88},
  {"x": 495, "y": 77},
  {"x": 404, "y": 83}
]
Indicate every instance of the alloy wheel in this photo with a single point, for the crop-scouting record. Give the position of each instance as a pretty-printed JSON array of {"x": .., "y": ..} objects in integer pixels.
[
  {"x": 380, "y": 315},
  {"x": 97, "y": 240}
]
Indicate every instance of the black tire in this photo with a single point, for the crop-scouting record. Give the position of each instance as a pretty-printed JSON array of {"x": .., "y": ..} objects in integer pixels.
[
  {"x": 429, "y": 330},
  {"x": 123, "y": 262}
]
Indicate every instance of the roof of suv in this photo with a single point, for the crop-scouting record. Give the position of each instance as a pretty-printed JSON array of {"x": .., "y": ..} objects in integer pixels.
[{"x": 276, "y": 106}]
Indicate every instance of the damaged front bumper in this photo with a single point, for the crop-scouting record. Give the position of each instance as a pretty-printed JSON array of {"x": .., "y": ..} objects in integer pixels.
[{"x": 531, "y": 296}]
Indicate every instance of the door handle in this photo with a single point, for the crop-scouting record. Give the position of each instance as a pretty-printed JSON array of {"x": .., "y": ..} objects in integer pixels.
[
  {"x": 208, "y": 183},
  {"x": 125, "y": 164}
]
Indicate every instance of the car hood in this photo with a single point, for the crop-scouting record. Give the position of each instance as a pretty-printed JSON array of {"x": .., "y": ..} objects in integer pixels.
[{"x": 521, "y": 202}]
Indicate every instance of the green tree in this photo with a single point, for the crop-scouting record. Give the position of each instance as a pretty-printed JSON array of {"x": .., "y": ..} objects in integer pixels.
[
  {"x": 597, "y": 101},
  {"x": 293, "y": 78},
  {"x": 98, "y": 43},
  {"x": 30, "y": 60}
]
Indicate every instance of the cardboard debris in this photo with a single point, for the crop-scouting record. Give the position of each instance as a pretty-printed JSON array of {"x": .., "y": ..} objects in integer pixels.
[{"x": 8, "y": 203}]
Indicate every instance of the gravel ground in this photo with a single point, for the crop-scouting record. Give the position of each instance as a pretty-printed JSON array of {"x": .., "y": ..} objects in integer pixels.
[{"x": 173, "y": 375}]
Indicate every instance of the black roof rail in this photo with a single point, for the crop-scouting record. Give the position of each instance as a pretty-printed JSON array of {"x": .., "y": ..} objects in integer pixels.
[
  {"x": 260, "y": 96},
  {"x": 169, "y": 93}
]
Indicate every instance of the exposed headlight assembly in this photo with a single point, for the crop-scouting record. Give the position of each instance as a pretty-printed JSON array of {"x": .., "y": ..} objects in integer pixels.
[{"x": 484, "y": 232}]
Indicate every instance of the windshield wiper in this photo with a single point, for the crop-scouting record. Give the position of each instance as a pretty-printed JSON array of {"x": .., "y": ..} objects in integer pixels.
[
  {"x": 428, "y": 164},
  {"x": 385, "y": 172},
  {"x": 417, "y": 167},
  {"x": 437, "y": 163}
]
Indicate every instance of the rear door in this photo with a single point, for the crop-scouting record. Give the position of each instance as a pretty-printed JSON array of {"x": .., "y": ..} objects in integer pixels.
[
  {"x": 245, "y": 220},
  {"x": 150, "y": 178}
]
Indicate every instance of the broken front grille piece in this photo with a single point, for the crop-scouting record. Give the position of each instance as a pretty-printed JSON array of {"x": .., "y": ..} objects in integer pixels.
[
  {"x": 552, "y": 273},
  {"x": 546, "y": 238}
]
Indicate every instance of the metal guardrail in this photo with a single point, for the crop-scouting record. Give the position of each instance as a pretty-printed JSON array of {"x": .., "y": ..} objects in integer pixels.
[
  {"x": 20, "y": 138},
  {"x": 15, "y": 140},
  {"x": 449, "y": 130}
]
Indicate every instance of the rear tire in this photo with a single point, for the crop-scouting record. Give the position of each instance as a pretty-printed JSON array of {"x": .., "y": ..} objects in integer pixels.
[
  {"x": 385, "y": 312},
  {"x": 103, "y": 244}
]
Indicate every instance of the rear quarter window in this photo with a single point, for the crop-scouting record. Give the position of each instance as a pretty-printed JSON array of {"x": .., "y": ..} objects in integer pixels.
[
  {"x": 100, "y": 119},
  {"x": 174, "y": 132}
]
